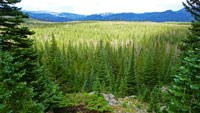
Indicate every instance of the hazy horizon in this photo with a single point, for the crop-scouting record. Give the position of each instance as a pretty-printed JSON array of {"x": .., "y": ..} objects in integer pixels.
[{"x": 101, "y": 6}]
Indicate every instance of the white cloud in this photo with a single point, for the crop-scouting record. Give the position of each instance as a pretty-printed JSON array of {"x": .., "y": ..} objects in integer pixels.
[{"x": 101, "y": 6}]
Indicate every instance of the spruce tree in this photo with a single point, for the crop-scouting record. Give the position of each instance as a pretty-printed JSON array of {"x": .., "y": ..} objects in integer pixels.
[
  {"x": 22, "y": 86},
  {"x": 186, "y": 85}
]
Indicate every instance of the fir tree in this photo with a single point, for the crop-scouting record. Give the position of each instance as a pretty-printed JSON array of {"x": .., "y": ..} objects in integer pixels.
[
  {"x": 186, "y": 85},
  {"x": 22, "y": 88}
]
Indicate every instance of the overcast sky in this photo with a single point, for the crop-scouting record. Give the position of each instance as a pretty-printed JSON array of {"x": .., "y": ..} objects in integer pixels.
[{"x": 100, "y": 6}]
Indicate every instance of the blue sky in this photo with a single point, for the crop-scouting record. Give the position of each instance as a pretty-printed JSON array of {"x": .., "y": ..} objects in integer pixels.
[{"x": 100, "y": 6}]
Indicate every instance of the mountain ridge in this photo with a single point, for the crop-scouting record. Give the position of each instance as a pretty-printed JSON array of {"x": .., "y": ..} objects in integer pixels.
[{"x": 165, "y": 16}]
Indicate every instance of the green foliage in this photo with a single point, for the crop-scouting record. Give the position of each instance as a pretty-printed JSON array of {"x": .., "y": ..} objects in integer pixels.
[
  {"x": 83, "y": 57},
  {"x": 185, "y": 87},
  {"x": 90, "y": 101},
  {"x": 16, "y": 97},
  {"x": 97, "y": 103},
  {"x": 48, "y": 93},
  {"x": 97, "y": 85},
  {"x": 131, "y": 79},
  {"x": 143, "y": 94},
  {"x": 123, "y": 88},
  {"x": 22, "y": 88},
  {"x": 154, "y": 101}
]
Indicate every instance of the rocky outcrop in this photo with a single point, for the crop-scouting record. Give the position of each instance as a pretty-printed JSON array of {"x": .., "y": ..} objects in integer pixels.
[{"x": 110, "y": 98}]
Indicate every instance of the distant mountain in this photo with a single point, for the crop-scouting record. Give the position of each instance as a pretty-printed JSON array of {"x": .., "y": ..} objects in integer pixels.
[
  {"x": 71, "y": 16},
  {"x": 46, "y": 16},
  {"x": 169, "y": 15}
]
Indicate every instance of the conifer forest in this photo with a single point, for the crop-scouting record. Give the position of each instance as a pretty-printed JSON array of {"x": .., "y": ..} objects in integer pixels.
[{"x": 70, "y": 67}]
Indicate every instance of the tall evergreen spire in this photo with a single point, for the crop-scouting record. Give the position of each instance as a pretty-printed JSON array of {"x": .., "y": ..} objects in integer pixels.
[{"x": 21, "y": 86}]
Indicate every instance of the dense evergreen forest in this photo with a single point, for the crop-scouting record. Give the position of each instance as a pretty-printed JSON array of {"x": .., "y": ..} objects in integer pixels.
[{"x": 71, "y": 67}]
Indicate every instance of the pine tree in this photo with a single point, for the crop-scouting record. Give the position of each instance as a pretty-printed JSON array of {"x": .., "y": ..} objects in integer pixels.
[
  {"x": 54, "y": 62},
  {"x": 186, "y": 85},
  {"x": 131, "y": 79},
  {"x": 21, "y": 87}
]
